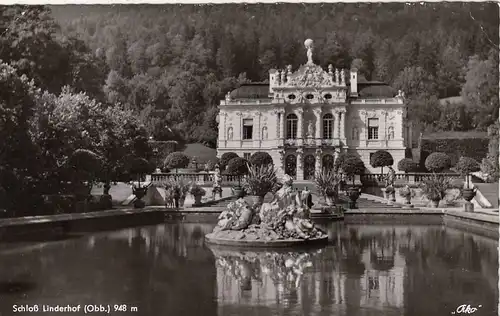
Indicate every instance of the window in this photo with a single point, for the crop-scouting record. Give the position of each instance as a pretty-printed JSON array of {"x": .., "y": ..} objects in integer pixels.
[
  {"x": 246, "y": 156},
  {"x": 291, "y": 126},
  {"x": 328, "y": 126},
  {"x": 328, "y": 96},
  {"x": 291, "y": 96},
  {"x": 309, "y": 96},
  {"x": 373, "y": 128},
  {"x": 247, "y": 128}
]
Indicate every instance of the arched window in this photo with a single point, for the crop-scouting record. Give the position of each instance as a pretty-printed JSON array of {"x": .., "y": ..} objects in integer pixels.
[
  {"x": 328, "y": 126},
  {"x": 291, "y": 126},
  {"x": 390, "y": 132}
]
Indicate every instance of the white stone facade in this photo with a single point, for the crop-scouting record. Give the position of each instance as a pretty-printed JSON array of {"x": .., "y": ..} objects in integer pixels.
[{"x": 307, "y": 117}]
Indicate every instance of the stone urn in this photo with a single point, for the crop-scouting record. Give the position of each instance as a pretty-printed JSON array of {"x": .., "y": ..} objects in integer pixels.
[
  {"x": 197, "y": 199},
  {"x": 435, "y": 203},
  {"x": 329, "y": 200},
  {"x": 468, "y": 194},
  {"x": 106, "y": 200},
  {"x": 139, "y": 193},
  {"x": 353, "y": 194},
  {"x": 238, "y": 191}
]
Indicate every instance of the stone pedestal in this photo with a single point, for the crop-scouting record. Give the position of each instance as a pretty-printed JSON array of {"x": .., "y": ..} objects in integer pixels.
[{"x": 469, "y": 207}]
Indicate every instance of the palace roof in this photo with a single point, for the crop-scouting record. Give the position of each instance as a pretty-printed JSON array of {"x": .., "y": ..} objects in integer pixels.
[{"x": 255, "y": 90}]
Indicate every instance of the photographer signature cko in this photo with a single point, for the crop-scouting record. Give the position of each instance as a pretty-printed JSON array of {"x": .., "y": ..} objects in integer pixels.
[{"x": 466, "y": 309}]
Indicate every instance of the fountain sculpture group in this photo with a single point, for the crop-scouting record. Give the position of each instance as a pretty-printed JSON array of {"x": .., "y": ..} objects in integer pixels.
[{"x": 285, "y": 221}]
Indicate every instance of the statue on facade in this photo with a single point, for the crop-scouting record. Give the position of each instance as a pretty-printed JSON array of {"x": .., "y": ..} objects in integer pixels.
[
  {"x": 310, "y": 129},
  {"x": 342, "y": 77},
  {"x": 309, "y": 46},
  {"x": 230, "y": 133},
  {"x": 264, "y": 133}
]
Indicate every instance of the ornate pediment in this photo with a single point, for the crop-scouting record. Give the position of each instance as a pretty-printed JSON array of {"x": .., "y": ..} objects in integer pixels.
[{"x": 310, "y": 76}]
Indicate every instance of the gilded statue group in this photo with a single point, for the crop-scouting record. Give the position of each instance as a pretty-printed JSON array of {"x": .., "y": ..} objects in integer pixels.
[{"x": 286, "y": 216}]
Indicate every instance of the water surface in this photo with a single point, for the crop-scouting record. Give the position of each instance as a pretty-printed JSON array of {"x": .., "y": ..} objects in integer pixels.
[{"x": 167, "y": 270}]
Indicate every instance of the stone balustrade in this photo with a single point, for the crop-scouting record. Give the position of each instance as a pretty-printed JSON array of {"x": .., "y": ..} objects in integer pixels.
[{"x": 203, "y": 179}]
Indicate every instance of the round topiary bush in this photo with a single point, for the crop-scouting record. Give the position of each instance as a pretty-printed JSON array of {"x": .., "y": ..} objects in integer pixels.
[
  {"x": 438, "y": 162},
  {"x": 261, "y": 158},
  {"x": 176, "y": 160},
  {"x": 407, "y": 165},
  {"x": 466, "y": 165},
  {"x": 225, "y": 158},
  {"x": 352, "y": 165},
  {"x": 381, "y": 158},
  {"x": 237, "y": 166}
]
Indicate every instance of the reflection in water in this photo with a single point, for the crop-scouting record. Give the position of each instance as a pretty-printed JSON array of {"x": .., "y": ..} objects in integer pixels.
[
  {"x": 168, "y": 270},
  {"x": 278, "y": 274}
]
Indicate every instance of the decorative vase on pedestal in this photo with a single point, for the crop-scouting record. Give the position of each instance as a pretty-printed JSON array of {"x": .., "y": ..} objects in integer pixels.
[
  {"x": 197, "y": 199},
  {"x": 353, "y": 197},
  {"x": 435, "y": 203},
  {"x": 139, "y": 194},
  {"x": 468, "y": 194}
]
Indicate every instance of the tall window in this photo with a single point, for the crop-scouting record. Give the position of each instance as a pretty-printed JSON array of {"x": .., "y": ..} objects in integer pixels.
[
  {"x": 328, "y": 126},
  {"x": 291, "y": 126},
  {"x": 373, "y": 128},
  {"x": 247, "y": 128},
  {"x": 247, "y": 156}
]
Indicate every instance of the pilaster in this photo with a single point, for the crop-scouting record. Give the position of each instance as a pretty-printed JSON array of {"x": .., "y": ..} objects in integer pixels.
[
  {"x": 300, "y": 164},
  {"x": 300, "y": 127},
  {"x": 342, "y": 125},
  {"x": 319, "y": 155}
]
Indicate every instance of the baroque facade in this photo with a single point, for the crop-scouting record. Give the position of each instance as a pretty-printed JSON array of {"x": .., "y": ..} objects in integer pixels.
[{"x": 305, "y": 118}]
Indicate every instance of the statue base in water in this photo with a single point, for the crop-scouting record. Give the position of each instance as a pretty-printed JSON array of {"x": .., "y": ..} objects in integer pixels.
[{"x": 256, "y": 238}]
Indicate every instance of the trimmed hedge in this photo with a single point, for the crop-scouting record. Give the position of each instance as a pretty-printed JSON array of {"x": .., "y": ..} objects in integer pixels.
[
  {"x": 237, "y": 167},
  {"x": 177, "y": 160},
  {"x": 438, "y": 162},
  {"x": 476, "y": 148},
  {"x": 261, "y": 158},
  {"x": 407, "y": 165},
  {"x": 225, "y": 158},
  {"x": 381, "y": 158}
]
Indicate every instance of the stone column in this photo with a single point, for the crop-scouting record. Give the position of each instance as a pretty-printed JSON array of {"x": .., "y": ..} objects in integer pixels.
[
  {"x": 300, "y": 123},
  {"x": 342, "y": 124},
  {"x": 240, "y": 132},
  {"x": 336, "y": 124},
  {"x": 281, "y": 165},
  {"x": 401, "y": 120},
  {"x": 257, "y": 132},
  {"x": 300, "y": 164},
  {"x": 282, "y": 124},
  {"x": 317, "y": 114},
  {"x": 223, "y": 124}
]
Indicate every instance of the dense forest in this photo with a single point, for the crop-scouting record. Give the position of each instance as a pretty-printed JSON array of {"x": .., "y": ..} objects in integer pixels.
[{"x": 171, "y": 64}]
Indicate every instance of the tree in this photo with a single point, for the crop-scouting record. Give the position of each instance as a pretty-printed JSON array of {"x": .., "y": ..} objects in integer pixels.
[
  {"x": 480, "y": 91},
  {"x": 176, "y": 160},
  {"x": 353, "y": 165},
  {"x": 467, "y": 165},
  {"x": 381, "y": 158},
  {"x": 437, "y": 162},
  {"x": 237, "y": 167},
  {"x": 225, "y": 158},
  {"x": 261, "y": 158}
]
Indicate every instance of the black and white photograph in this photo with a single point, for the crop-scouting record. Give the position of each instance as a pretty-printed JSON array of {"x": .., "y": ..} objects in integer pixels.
[{"x": 270, "y": 159}]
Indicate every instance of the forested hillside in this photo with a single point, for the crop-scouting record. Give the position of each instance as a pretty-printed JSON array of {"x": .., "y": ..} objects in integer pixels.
[{"x": 182, "y": 59}]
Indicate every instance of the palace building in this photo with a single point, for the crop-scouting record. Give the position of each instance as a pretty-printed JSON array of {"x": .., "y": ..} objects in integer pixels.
[{"x": 305, "y": 117}]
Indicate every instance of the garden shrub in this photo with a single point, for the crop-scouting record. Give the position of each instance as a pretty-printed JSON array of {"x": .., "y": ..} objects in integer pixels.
[
  {"x": 476, "y": 148},
  {"x": 381, "y": 158},
  {"x": 437, "y": 162},
  {"x": 237, "y": 166},
  {"x": 225, "y": 158},
  {"x": 407, "y": 165},
  {"x": 176, "y": 160},
  {"x": 261, "y": 158}
]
